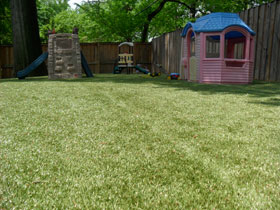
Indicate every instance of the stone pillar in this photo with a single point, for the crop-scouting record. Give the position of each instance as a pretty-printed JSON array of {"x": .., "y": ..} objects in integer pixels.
[{"x": 64, "y": 60}]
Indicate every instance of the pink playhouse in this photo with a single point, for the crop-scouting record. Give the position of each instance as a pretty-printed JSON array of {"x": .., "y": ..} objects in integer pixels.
[{"x": 218, "y": 48}]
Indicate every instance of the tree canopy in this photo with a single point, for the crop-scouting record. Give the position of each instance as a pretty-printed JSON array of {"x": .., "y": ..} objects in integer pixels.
[
  {"x": 120, "y": 20},
  {"x": 126, "y": 20}
]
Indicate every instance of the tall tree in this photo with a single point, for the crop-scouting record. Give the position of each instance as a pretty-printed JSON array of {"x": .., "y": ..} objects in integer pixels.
[{"x": 26, "y": 40}]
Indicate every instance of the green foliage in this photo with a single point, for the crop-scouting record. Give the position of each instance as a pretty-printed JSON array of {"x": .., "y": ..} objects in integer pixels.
[
  {"x": 5, "y": 22},
  {"x": 47, "y": 10},
  {"x": 232, "y": 5},
  {"x": 173, "y": 16},
  {"x": 65, "y": 21},
  {"x": 128, "y": 142},
  {"x": 118, "y": 20},
  {"x": 121, "y": 20},
  {"x": 114, "y": 20}
]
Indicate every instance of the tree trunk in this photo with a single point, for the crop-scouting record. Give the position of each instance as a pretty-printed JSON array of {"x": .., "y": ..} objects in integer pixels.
[
  {"x": 145, "y": 31},
  {"x": 26, "y": 40},
  {"x": 144, "y": 37}
]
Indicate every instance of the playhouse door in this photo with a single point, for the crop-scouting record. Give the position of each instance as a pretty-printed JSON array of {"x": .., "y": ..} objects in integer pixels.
[
  {"x": 193, "y": 68},
  {"x": 192, "y": 60}
]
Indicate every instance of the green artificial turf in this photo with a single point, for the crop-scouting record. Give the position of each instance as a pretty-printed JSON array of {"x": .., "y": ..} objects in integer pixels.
[{"x": 133, "y": 142}]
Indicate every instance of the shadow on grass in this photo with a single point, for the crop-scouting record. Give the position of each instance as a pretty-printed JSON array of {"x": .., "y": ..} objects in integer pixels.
[
  {"x": 257, "y": 89},
  {"x": 269, "y": 102}
]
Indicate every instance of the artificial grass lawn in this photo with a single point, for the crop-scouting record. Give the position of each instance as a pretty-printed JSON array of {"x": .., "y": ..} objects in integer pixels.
[{"x": 126, "y": 141}]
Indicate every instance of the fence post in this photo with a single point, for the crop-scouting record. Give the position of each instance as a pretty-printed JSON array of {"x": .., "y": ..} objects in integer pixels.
[{"x": 98, "y": 59}]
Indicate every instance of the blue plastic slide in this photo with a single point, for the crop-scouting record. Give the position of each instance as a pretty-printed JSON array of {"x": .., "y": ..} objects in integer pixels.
[
  {"x": 23, "y": 73},
  {"x": 117, "y": 70},
  {"x": 141, "y": 69},
  {"x": 85, "y": 66}
]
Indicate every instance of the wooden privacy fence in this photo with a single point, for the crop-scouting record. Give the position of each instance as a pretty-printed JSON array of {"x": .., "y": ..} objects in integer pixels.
[
  {"x": 101, "y": 57},
  {"x": 166, "y": 51},
  {"x": 6, "y": 61},
  {"x": 264, "y": 20}
]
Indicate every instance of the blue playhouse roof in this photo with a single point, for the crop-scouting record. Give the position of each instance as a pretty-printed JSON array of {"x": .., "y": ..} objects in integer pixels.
[{"x": 216, "y": 22}]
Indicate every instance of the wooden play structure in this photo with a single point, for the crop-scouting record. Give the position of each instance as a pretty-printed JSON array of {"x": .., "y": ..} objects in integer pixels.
[
  {"x": 218, "y": 48},
  {"x": 125, "y": 60}
]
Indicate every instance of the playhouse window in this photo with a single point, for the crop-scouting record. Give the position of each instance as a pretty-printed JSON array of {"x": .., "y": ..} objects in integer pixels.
[
  {"x": 212, "y": 46},
  {"x": 235, "y": 44}
]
